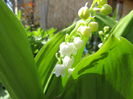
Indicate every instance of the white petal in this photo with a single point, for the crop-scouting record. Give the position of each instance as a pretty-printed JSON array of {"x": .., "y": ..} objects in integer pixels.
[
  {"x": 70, "y": 70},
  {"x": 64, "y": 49},
  {"x": 73, "y": 49},
  {"x": 38, "y": 38},
  {"x": 100, "y": 45},
  {"x": 67, "y": 49},
  {"x": 78, "y": 42},
  {"x": 62, "y": 45},
  {"x": 59, "y": 70},
  {"x": 67, "y": 61},
  {"x": 85, "y": 30}
]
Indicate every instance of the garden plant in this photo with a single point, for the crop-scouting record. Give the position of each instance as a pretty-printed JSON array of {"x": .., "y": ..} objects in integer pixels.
[{"x": 61, "y": 69}]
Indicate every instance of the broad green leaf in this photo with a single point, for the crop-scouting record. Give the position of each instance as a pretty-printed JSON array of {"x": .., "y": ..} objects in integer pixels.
[
  {"x": 95, "y": 74},
  {"x": 109, "y": 72},
  {"x": 125, "y": 27},
  {"x": 54, "y": 88},
  {"x": 17, "y": 69},
  {"x": 105, "y": 20},
  {"x": 45, "y": 59}
]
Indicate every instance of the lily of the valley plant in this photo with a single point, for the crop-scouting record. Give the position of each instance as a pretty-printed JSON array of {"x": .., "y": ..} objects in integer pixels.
[{"x": 60, "y": 70}]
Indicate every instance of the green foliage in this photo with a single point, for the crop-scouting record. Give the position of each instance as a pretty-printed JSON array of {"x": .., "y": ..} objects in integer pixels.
[
  {"x": 107, "y": 71},
  {"x": 17, "y": 68},
  {"x": 106, "y": 74},
  {"x": 105, "y": 20},
  {"x": 19, "y": 15},
  {"x": 39, "y": 37},
  {"x": 125, "y": 27}
]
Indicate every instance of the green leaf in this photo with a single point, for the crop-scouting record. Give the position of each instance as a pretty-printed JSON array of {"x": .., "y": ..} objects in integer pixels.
[
  {"x": 125, "y": 27},
  {"x": 54, "y": 88},
  {"x": 45, "y": 59},
  {"x": 108, "y": 72},
  {"x": 105, "y": 20},
  {"x": 17, "y": 69}
]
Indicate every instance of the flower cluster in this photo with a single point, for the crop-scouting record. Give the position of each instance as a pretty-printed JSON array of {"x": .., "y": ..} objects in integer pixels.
[
  {"x": 103, "y": 8},
  {"x": 67, "y": 51},
  {"x": 69, "y": 48},
  {"x": 103, "y": 34}
]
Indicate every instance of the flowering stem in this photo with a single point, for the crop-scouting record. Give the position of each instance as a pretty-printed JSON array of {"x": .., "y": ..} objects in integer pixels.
[
  {"x": 74, "y": 30},
  {"x": 80, "y": 52},
  {"x": 47, "y": 84}
]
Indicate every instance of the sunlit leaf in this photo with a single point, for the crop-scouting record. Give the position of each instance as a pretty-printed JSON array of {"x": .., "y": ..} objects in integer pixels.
[
  {"x": 17, "y": 68},
  {"x": 110, "y": 70},
  {"x": 125, "y": 27},
  {"x": 105, "y": 21}
]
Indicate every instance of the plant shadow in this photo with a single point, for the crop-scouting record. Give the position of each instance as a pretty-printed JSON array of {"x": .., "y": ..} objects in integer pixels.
[{"x": 95, "y": 86}]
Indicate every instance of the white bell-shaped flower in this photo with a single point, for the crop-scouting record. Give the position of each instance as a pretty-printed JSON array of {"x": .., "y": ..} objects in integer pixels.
[
  {"x": 70, "y": 70},
  {"x": 59, "y": 70},
  {"x": 67, "y": 61},
  {"x": 78, "y": 42},
  {"x": 100, "y": 45},
  {"x": 73, "y": 48},
  {"x": 93, "y": 26},
  {"x": 67, "y": 49},
  {"x": 64, "y": 49},
  {"x": 85, "y": 30}
]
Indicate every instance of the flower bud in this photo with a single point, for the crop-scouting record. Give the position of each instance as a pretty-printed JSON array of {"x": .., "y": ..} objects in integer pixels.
[
  {"x": 101, "y": 2},
  {"x": 70, "y": 70},
  {"x": 106, "y": 36},
  {"x": 59, "y": 70},
  {"x": 67, "y": 61},
  {"x": 85, "y": 30},
  {"x": 106, "y": 28},
  {"x": 78, "y": 42},
  {"x": 106, "y": 9},
  {"x": 93, "y": 26},
  {"x": 84, "y": 12},
  {"x": 96, "y": 9},
  {"x": 100, "y": 45},
  {"x": 100, "y": 33}
]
